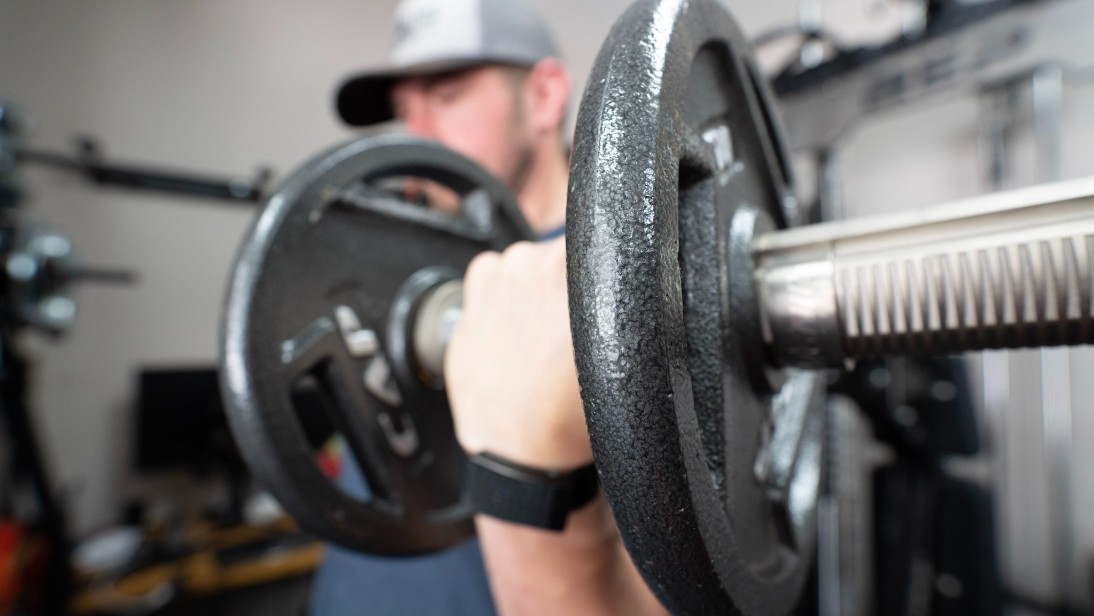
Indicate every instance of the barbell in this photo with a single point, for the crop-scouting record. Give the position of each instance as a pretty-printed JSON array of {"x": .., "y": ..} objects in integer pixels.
[{"x": 700, "y": 312}]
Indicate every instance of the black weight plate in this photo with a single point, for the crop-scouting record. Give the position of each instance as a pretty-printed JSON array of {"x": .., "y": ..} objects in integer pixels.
[
  {"x": 676, "y": 145},
  {"x": 308, "y": 307}
]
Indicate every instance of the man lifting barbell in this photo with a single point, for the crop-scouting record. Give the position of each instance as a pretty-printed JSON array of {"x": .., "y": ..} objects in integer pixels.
[
  {"x": 698, "y": 324},
  {"x": 500, "y": 99}
]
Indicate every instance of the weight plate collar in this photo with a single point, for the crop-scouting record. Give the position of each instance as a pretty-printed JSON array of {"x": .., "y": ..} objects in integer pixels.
[{"x": 709, "y": 460}]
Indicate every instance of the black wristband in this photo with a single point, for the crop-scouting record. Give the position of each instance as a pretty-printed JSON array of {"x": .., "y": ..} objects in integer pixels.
[{"x": 534, "y": 497}]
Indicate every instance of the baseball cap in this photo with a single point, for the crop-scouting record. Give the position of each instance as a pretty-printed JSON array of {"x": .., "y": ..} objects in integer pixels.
[{"x": 436, "y": 36}]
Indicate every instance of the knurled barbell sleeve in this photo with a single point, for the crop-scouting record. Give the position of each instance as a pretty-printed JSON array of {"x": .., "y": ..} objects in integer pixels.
[{"x": 1007, "y": 270}]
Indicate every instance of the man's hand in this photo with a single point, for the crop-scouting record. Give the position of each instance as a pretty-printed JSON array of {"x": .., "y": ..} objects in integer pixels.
[
  {"x": 509, "y": 368},
  {"x": 512, "y": 385}
]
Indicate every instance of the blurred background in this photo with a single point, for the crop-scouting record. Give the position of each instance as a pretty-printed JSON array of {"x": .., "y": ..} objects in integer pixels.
[{"x": 229, "y": 88}]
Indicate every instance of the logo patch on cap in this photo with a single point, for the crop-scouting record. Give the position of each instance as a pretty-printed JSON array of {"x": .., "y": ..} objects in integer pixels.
[
  {"x": 436, "y": 31},
  {"x": 411, "y": 23}
]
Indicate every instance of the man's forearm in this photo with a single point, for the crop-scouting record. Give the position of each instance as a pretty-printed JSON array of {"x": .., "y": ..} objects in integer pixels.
[
  {"x": 583, "y": 570},
  {"x": 512, "y": 384}
]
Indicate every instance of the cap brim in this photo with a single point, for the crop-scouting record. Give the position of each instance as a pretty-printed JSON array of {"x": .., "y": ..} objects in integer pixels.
[{"x": 365, "y": 99}]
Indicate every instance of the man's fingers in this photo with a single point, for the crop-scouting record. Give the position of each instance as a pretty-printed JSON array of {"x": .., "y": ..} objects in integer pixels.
[{"x": 480, "y": 273}]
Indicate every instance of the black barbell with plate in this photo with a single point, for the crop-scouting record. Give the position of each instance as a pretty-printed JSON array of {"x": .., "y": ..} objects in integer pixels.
[
  {"x": 677, "y": 165},
  {"x": 696, "y": 318},
  {"x": 319, "y": 327}
]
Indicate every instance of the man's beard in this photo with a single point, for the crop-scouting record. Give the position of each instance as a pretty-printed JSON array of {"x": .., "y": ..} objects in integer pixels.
[
  {"x": 522, "y": 152},
  {"x": 517, "y": 178}
]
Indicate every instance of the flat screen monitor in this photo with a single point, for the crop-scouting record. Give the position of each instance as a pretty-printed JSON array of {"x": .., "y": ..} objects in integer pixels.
[{"x": 180, "y": 422}]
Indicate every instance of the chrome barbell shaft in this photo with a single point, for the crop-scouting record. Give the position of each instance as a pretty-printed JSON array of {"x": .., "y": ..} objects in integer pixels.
[{"x": 1007, "y": 270}]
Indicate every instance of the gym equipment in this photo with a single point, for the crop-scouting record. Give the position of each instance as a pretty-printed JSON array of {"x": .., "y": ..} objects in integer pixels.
[
  {"x": 963, "y": 49},
  {"x": 697, "y": 319},
  {"x": 37, "y": 269},
  {"x": 924, "y": 517},
  {"x": 88, "y": 162},
  {"x": 677, "y": 166},
  {"x": 321, "y": 318}
]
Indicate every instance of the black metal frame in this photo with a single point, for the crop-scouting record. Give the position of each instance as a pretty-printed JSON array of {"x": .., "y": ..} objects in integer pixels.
[{"x": 88, "y": 162}]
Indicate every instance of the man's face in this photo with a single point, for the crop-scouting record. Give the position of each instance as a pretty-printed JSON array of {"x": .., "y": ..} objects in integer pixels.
[{"x": 477, "y": 112}]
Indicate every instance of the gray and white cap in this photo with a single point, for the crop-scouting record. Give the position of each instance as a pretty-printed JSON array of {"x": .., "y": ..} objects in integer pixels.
[{"x": 436, "y": 36}]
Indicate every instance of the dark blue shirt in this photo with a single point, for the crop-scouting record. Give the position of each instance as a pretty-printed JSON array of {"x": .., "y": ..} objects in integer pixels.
[{"x": 352, "y": 584}]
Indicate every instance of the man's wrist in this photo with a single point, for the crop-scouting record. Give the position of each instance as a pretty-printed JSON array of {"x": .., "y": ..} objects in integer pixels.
[{"x": 538, "y": 497}]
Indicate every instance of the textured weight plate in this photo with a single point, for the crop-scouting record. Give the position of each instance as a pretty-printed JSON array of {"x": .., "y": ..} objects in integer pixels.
[
  {"x": 710, "y": 460},
  {"x": 321, "y": 294}
]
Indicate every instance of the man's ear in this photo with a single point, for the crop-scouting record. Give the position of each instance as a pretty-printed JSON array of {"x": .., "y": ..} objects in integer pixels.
[{"x": 548, "y": 95}]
